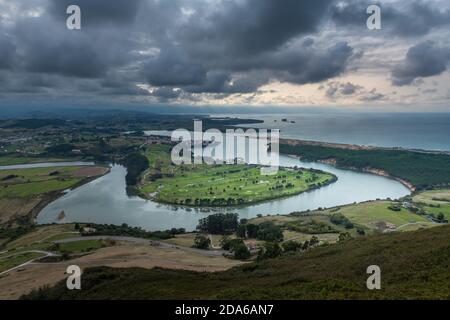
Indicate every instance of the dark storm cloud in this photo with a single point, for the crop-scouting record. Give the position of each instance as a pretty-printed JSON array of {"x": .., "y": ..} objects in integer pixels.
[
  {"x": 85, "y": 62},
  {"x": 335, "y": 90},
  {"x": 173, "y": 67},
  {"x": 255, "y": 26},
  {"x": 409, "y": 19},
  {"x": 234, "y": 74},
  {"x": 47, "y": 46},
  {"x": 246, "y": 44},
  {"x": 98, "y": 11},
  {"x": 183, "y": 48},
  {"x": 7, "y": 52},
  {"x": 189, "y": 47},
  {"x": 166, "y": 93},
  {"x": 319, "y": 65},
  {"x": 425, "y": 59}
]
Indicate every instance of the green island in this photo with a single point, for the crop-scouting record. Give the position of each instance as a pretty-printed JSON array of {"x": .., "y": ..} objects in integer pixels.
[{"x": 221, "y": 185}]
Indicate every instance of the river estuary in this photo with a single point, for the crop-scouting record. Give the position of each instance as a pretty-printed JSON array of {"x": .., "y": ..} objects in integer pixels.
[{"x": 105, "y": 201}]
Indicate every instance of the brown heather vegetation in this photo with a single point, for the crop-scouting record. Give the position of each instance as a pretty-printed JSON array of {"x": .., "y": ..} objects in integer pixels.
[{"x": 414, "y": 265}]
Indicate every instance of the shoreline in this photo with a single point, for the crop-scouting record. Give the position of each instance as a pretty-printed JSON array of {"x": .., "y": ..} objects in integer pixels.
[
  {"x": 375, "y": 171},
  {"x": 54, "y": 195},
  {"x": 349, "y": 146}
]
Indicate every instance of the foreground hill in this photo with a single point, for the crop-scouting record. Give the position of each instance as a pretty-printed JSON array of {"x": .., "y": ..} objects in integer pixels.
[{"x": 414, "y": 265}]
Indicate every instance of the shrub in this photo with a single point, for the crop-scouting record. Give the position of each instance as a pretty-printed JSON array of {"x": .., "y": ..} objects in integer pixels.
[
  {"x": 241, "y": 251},
  {"x": 291, "y": 246},
  {"x": 269, "y": 232},
  {"x": 395, "y": 208},
  {"x": 270, "y": 250},
  {"x": 201, "y": 242},
  {"x": 219, "y": 223},
  {"x": 344, "y": 236}
]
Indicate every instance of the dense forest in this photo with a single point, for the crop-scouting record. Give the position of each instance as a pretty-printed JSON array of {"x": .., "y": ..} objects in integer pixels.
[
  {"x": 424, "y": 170},
  {"x": 128, "y": 231},
  {"x": 135, "y": 163}
]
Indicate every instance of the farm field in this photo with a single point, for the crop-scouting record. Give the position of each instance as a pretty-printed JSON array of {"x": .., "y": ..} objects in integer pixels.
[
  {"x": 289, "y": 235},
  {"x": 90, "y": 253},
  {"x": 222, "y": 185},
  {"x": 11, "y": 261},
  {"x": 435, "y": 202},
  {"x": 82, "y": 246},
  {"x": 23, "y": 183},
  {"x": 21, "y": 190},
  {"x": 374, "y": 214},
  {"x": 363, "y": 218},
  {"x": 11, "y": 160}
]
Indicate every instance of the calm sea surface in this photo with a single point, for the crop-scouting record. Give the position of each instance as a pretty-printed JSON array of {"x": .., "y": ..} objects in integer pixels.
[{"x": 408, "y": 130}]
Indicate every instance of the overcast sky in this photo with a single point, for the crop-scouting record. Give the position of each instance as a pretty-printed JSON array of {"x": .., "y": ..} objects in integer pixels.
[{"x": 226, "y": 52}]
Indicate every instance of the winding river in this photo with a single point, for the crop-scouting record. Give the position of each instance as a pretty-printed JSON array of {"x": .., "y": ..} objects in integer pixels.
[{"x": 104, "y": 200}]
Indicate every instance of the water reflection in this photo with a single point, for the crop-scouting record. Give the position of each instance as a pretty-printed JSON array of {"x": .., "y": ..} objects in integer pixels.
[{"x": 105, "y": 200}]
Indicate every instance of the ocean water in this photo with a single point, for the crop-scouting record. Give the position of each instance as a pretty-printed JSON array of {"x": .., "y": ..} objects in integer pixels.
[{"x": 429, "y": 131}]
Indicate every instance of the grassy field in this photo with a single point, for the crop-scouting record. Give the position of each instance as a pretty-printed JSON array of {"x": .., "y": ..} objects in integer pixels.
[
  {"x": 11, "y": 160},
  {"x": 302, "y": 237},
  {"x": 11, "y": 261},
  {"x": 88, "y": 253},
  {"x": 371, "y": 217},
  {"x": 21, "y": 190},
  {"x": 42, "y": 235},
  {"x": 82, "y": 246},
  {"x": 42, "y": 238},
  {"x": 187, "y": 240},
  {"x": 435, "y": 202},
  {"x": 17, "y": 252},
  {"x": 375, "y": 215},
  {"x": 302, "y": 227},
  {"x": 28, "y": 182},
  {"x": 414, "y": 266},
  {"x": 221, "y": 185}
]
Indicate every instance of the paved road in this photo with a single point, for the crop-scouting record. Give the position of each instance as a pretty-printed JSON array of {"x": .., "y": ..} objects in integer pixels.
[{"x": 164, "y": 245}]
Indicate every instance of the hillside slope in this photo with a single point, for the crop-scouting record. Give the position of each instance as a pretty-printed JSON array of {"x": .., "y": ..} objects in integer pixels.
[
  {"x": 414, "y": 265},
  {"x": 422, "y": 169}
]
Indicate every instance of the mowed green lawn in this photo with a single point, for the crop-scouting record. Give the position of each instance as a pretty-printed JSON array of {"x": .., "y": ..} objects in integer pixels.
[
  {"x": 435, "y": 202},
  {"x": 21, "y": 183},
  {"x": 370, "y": 214},
  {"x": 233, "y": 181},
  {"x": 220, "y": 185}
]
